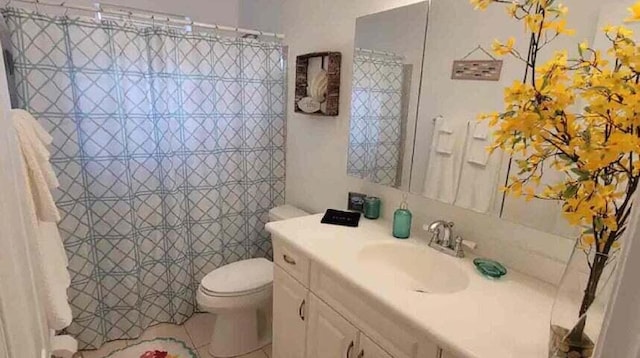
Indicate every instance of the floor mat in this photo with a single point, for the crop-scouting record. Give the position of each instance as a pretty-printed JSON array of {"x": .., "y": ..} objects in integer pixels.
[{"x": 155, "y": 348}]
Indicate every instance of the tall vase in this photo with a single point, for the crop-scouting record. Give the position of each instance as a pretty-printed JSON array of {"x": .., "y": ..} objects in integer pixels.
[{"x": 573, "y": 335}]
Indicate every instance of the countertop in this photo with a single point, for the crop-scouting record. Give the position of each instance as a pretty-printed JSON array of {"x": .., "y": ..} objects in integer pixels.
[{"x": 489, "y": 319}]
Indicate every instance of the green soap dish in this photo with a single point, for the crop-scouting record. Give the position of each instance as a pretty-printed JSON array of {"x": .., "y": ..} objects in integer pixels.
[{"x": 490, "y": 268}]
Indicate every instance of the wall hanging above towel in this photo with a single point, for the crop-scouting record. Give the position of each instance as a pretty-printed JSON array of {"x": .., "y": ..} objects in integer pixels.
[{"x": 477, "y": 70}]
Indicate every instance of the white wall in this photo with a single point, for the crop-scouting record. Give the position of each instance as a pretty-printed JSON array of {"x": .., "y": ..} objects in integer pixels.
[
  {"x": 317, "y": 147},
  {"x": 261, "y": 15}
]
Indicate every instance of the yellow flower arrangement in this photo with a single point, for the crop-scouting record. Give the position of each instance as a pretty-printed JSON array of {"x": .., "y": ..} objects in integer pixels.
[{"x": 580, "y": 117}]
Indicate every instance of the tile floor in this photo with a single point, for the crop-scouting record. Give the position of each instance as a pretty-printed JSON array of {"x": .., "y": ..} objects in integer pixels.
[{"x": 195, "y": 333}]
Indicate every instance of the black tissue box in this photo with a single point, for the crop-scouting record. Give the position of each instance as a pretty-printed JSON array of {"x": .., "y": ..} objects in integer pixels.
[{"x": 343, "y": 218}]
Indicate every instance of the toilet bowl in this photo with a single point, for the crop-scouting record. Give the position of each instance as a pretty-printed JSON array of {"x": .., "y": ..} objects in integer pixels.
[{"x": 240, "y": 296}]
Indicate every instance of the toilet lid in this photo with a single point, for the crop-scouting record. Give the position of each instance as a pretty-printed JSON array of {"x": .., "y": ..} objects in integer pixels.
[{"x": 239, "y": 277}]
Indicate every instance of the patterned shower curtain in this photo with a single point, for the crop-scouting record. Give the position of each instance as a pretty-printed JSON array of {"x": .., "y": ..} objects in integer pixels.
[
  {"x": 170, "y": 151},
  {"x": 376, "y": 117}
]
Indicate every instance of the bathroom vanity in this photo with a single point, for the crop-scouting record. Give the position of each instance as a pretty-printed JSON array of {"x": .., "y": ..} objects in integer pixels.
[{"x": 358, "y": 292}]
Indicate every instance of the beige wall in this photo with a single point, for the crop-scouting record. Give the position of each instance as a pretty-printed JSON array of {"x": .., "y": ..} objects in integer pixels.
[{"x": 317, "y": 146}]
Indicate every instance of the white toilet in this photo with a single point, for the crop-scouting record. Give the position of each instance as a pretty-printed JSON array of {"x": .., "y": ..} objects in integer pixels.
[{"x": 240, "y": 295}]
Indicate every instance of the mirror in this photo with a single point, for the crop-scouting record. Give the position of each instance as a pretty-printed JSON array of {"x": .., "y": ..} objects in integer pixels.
[
  {"x": 387, "y": 68},
  {"x": 418, "y": 131}
]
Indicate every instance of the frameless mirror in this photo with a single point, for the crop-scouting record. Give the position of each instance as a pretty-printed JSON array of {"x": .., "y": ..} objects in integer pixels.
[
  {"x": 387, "y": 68},
  {"x": 414, "y": 117}
]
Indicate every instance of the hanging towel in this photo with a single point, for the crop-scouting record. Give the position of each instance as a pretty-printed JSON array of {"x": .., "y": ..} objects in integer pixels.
[
  {"x": 476, "y": 151},
  {"x": 40, "y": 176},
  {"x": 443, "y": 168},
  {"x": 480, "y": 171},
  {"x": 481, "y": 130},
  {"x": 55, "y": 276},
  {"x": 446, "y": 138},
  {"x": 40, "y": 179}
]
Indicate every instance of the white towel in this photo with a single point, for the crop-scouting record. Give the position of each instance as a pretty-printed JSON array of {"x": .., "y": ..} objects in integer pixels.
[
  {"x": 40, "y": 176},
  {"x": 480, "y": 172},
  {"x": 40, "y": 179},
  {"x": 63, "y": 346},
  {"x": 476, "y": 152},
  {"x": 443, "y": 169},
  {"x": 55, "y": 276},
  {"x": 481, "y": 130},
  {"x": 446, "y": 138}
]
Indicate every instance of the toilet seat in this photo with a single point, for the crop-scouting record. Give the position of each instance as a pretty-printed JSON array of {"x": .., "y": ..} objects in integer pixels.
[
  {"x": 241, "y": 278},
  {"x": 234, "y": 294}
]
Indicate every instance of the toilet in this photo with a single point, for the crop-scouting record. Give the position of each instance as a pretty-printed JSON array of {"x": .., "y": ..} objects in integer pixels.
[{"x": 240, "y": 296}]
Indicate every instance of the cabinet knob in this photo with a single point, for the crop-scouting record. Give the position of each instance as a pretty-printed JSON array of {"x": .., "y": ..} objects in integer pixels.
[
  {"x": 288, "y": 259},
  {"x": 301, "y": 309},
  {"x": 361, "y": 354},
  {"x": 350, "y": 349}
]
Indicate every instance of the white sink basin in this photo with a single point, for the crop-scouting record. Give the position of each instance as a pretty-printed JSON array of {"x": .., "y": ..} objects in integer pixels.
[{"x": 412, "y": 267}]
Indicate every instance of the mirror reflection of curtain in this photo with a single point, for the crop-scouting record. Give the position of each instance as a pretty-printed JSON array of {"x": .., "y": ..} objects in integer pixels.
[
  {"x": 376, "y": 117},
  {"x": 169, "y": 148}
]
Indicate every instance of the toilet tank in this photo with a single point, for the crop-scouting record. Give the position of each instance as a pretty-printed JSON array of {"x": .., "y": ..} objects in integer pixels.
[{"x": 285, "y": 212}]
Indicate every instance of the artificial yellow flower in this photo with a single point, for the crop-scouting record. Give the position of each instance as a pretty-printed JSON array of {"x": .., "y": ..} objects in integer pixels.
[
  {"x": 583, "y": 46},
  {"x": 563, "y": 10},
  {"x": 635, "y": 13},
  {"x": 512, "y": 9},
  {"x": 587, "y": 240},
  {"x": 596, "y": 145},
  {"x": 501, "y": 49},
  {"x": 533, "y": 22},
  {"x": 619, "y": 32},
  {"x": 560, "y": 27},
  {"x": 480, "y": 4}
]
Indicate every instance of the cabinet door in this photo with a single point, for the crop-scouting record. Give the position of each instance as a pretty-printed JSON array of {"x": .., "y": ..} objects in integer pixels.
[
  {"x": 368, "y": 349},
  {"x": 329, "y": 334},
  {"x": 444, "y": 354},
  {"x": 289, "y": 315}
]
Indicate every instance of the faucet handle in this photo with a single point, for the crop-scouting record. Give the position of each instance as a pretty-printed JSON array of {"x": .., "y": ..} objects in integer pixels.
[
  {"x": 459, "y": 243},
  {"x": 470, "y": 244}
]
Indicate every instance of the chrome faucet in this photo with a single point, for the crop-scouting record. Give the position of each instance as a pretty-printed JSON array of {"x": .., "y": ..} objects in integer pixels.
[{"x": 442, "y": 238}]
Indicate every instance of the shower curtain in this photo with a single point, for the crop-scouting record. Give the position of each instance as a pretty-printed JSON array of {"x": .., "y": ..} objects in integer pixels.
[
  {"x": 169, "y": 148},
  {"x": 376, "y": 117}
]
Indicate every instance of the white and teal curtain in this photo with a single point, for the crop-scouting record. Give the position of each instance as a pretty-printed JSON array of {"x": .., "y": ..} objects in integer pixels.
[
  {"x": 376, "y": 117},
  {"x": 170, "y": 150}
]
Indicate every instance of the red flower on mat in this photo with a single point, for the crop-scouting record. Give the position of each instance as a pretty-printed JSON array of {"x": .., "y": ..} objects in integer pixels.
[{"x": 155, "y": 354}]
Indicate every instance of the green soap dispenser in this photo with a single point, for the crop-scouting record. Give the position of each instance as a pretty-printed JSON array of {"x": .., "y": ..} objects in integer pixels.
[{"x": 402, "y": 220}]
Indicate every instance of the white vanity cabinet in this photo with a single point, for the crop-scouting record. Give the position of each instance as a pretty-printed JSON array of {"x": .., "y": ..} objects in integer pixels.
[
  {"x": 316, "y": 314},
  {"x": 444, "y": 354},
  {"x": 329, "y": 334},
  {"x": 289, "y": 315},
  {"x": 369, "y": 349}
]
